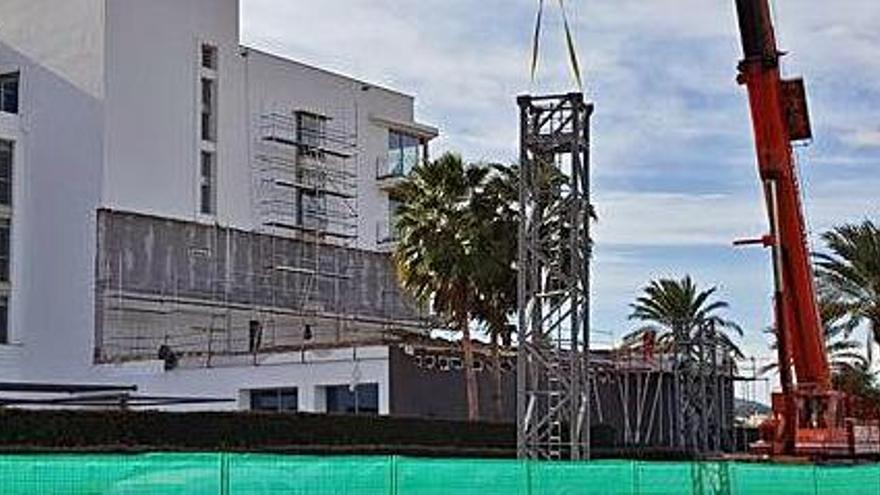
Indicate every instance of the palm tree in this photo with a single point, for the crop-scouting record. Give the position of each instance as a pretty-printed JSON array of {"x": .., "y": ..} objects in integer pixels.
[
  {"x": 676, "y": 310},
  {"x": 850, "y": 272},
  {"x": 843, "y": 352},
  {"x": 844, "y": 356},
  {"x": 439, "y": 252},
  {"x": 497, "y": 208}
]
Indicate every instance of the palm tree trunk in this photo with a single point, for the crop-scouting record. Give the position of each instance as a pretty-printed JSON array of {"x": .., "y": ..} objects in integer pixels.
[
  {"x": 870, "y": 341},
  {"x": 497, "y": 382},
  {"x": 470, "y": 377}
]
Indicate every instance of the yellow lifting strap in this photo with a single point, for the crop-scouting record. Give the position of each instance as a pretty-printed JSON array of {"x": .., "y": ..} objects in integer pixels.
[{"x": 569, "y": 42}]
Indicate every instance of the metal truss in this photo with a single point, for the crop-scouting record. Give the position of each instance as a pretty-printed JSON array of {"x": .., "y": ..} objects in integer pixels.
[
  {"x": 554, "y": 254},
  {"x": 702, "y": 373}
]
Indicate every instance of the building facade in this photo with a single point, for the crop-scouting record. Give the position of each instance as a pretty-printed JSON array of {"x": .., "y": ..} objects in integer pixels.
[{"x": 192, "y": 216}]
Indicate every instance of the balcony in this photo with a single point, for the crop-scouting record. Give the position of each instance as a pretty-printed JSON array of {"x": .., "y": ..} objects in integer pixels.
[{"x": 390, "y": 172}]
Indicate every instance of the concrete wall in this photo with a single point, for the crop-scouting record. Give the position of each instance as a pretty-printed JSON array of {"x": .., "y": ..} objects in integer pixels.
[
  {"x": 196, "y": 287},
  {"x": 419, "y": 390}
]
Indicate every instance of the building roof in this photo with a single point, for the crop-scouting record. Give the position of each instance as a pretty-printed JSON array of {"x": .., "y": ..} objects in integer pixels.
[{"x": 247, "y": 49}]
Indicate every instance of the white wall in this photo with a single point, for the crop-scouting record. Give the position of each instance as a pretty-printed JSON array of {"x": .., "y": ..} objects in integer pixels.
[
  {"x": 66, "y": 37},
  {"x": 307, "y": 372},
  {"x": 279, "y": 85},
  {"x": 153, "y": 63},
  {"x": 58, "y": 46},
  {"x": 11, "y": 353}
]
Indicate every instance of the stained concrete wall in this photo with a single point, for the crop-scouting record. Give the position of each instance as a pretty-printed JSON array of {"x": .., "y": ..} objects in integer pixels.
[{"x": 161, "y": 279}]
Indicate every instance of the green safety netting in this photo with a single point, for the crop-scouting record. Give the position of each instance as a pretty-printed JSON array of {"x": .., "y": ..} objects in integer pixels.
[{"x": 256, "y": 474}]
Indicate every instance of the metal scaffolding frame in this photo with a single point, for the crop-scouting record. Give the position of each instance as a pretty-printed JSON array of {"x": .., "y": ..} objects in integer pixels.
[
  {"x": 679, "y": 400},
  {"x": 217, "y": 296},
  {"x": 703, "y": 368},
  {"x": 306, "y": 187},
  {"x": 553, "y": 389},
  {"x": 306, "y": 176}
]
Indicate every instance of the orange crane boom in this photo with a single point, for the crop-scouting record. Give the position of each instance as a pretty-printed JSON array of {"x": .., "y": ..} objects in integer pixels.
[{"x": 809, "y": 417}]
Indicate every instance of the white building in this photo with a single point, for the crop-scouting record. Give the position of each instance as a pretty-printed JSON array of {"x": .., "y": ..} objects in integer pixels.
[{"x": 156, "y": 178}]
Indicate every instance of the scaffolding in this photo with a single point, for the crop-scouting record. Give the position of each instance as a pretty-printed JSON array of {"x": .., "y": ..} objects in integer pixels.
[
  {"x": 678, "y": 400},
  {"x": 306, "y": 176},
  {"x": 215, "y": 295},
  {"x": 553, "y": 390},
  {"x": 703, "y": 373},
  {"x": 306, "y": 188}
]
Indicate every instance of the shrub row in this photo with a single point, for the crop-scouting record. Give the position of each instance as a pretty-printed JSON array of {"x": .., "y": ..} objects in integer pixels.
[{"x": 230, "y": 431}]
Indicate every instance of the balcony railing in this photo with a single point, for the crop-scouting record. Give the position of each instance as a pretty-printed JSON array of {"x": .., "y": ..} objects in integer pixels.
[
  {"x": 386, "y": 168},
  {"x": 393, "y": 166}
]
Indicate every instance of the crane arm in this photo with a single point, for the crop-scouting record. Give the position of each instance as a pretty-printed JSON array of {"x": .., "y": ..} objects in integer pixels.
[{"x": 779, "y": 117}]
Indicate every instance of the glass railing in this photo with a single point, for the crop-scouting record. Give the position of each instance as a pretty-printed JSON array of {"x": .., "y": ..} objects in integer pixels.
[
  {"x": 389, "y": 167},
  {"x": 398, "y": 163}
]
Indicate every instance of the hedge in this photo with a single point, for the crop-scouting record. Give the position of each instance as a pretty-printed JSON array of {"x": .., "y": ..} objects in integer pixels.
[{"x": 25, "y": 430}]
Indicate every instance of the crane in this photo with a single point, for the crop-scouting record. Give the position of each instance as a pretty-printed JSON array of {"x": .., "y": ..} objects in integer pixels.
[{"x": 810, "y": 418}]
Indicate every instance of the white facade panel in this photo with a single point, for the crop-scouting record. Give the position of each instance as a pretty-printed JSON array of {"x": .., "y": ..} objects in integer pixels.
[
  {"x": 65, "y": 38},
  {"x": 58, "y": 49},
  {"x": 153, "y": 76},
  {"x": 309, "y": 372}
]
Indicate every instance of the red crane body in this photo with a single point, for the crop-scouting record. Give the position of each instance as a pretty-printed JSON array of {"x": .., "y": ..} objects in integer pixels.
[{"x": 809, "y": 417}]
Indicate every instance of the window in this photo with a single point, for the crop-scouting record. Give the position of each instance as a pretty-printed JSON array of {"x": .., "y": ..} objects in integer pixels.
[
  {"x": 341, "y": 399},
  {"x": 6, "y": 162},
  {"x": 206, "y": 163},
  {"x": 311, "y": 208},
  {"x": 209, "y": 57},
  {"x": 6, "y": 155},
  {"x": 5, "y": 249},
  {"x": 4, "y": 320},
  {"x": 311, "y": 129},
  {"x": 392, "y": 234},
  {"x": 275, "y": 400},
  {"x": 209, "y": 110},
  {"x": 9, "y": 92},
  {"x": 404, "y": 153},
  {"x": 207, "y": 185}
]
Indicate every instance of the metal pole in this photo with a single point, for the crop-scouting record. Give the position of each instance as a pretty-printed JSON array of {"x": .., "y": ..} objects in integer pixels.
[{"x": 521, "y": 355}]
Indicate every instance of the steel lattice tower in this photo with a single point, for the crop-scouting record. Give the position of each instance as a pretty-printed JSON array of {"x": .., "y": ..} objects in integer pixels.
[{"x": 553, "y": 389}]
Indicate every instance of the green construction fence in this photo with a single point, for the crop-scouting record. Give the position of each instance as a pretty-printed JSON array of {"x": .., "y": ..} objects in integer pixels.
[{"x": 258, "y": 474}]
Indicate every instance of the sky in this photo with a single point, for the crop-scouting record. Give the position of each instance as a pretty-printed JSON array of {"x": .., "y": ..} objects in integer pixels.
[{"x": 674, "y": 175}]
